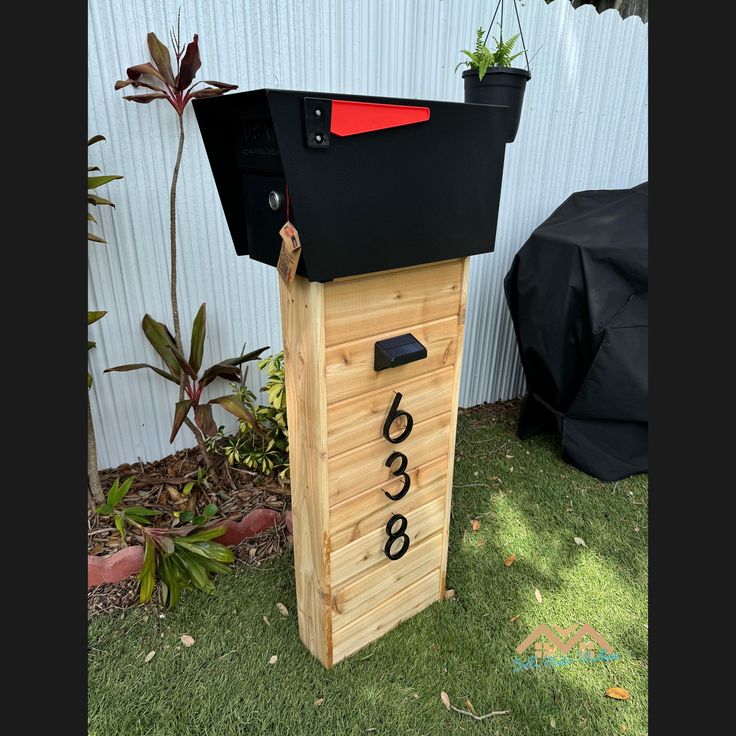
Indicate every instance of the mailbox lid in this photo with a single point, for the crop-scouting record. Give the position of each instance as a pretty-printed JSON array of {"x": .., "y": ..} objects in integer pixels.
[{"x": 418, "y": 192}]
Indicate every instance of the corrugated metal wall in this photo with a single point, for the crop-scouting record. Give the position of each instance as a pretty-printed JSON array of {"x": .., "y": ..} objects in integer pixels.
[{"x": 584, "y": 126}]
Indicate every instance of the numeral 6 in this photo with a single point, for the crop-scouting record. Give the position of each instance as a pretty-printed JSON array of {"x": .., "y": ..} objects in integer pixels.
[{"x": 393, "y": 414}]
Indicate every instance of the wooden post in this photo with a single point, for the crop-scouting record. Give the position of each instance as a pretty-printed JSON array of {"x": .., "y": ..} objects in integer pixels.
[{"x": 349, "y": 592}]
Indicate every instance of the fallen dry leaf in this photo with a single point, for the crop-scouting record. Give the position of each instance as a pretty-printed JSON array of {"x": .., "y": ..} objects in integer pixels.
[
  {"x": 445, "y": 698},
  {"x": 150, "y": 656},
  {"x": 510, "y": 560},
  {"x": 470, "y": 706},
  {"x": 618, "y": 693},
  {"x": 553, "y": 722},
  {"x": 475, "y": 525},
  {"x": 580, "y": 541},
  {"x": 636, "y": 529},
  {"x": 187, "y": 640},
  {"x": 274, "y": 659},
  {"x": 319, "y": 701},
  {"x": 283, "y": 610},
  {"x": 266, "y": 621},
  {"x": 514, "y": 618},
  {"x": 449, "y": 593},
  {"x": 622, "y": 728},
  {"x": 538, "y": 595}
]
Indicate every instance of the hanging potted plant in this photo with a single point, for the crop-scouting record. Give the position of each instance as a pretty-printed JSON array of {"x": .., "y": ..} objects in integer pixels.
[{"x": 491, "y": 80}]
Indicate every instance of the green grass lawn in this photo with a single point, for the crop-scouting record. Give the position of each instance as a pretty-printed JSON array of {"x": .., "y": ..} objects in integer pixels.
[{"x": 529, "y": 503}]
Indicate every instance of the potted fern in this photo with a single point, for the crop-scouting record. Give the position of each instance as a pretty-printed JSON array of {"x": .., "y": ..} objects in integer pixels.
[{"x": 491, "y": 80}]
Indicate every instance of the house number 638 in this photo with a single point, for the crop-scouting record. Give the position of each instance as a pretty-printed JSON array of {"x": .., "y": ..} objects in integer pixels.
[{"x": 392, "y": 532}]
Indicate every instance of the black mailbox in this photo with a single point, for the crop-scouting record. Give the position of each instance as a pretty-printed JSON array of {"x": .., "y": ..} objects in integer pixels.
[{"x": 371, "y": 183}]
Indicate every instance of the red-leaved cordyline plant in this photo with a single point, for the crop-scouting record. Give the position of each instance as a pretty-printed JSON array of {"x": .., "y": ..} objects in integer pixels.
[{"x": 177, "y": 89}]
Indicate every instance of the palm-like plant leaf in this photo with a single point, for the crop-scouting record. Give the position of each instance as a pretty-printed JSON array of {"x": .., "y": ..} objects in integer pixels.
[
  {"x": 162, "y": 341},
  {"x": 138, "y": 366},
  {"x": 199, "y": 330},
  {"x": 180, "y": 414}
]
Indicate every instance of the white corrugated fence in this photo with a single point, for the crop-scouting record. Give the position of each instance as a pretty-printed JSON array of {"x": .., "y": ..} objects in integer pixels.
[{"x": 583, "y": 126}]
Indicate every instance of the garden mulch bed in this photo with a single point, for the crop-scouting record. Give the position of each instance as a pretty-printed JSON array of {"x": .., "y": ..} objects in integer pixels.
[{"x": 159, "y": 485}]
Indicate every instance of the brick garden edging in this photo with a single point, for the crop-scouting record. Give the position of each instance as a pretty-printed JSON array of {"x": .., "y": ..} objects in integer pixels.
[{"x": 128, "y": 561}]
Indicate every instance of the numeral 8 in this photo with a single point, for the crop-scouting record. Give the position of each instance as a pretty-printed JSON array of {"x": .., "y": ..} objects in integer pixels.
[{"x": 400, "y": 533}]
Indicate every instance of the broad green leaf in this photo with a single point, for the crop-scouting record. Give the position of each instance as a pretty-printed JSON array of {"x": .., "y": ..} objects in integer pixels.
[
  {"x": 113, "y": 492},
  {"x": 162, "y": 341},
  {"x": 186, "y": 516},
  {"x": 188, "y": 486},
  {"x": 180, "y": 413},
  {"x": 104, "y": 510},
  {"x": 138, "y": 366},
  {"x": 199, "y": 328},
  {"x": 147, "y": 574},
  {"x": 232, "y": 404},
  {"x": 194, "y": 568},
  {"x": 120, "y": 526},
  {"x": 204, "y": 420},
  {"x": 141, "y": 511},
  {"x": 96, "y": 200},
  {"x": 92, "y": 317},
  {"x": 210, "y": 510},
  {"x": 91, "y": 344},
  {"x": 160, "y": 56},
  {"x": 199, "y": 519},
  {"x": 89, "y": 381},
  {"x": 217, "y": 551},
  {"x": 97, "y": 181},
  {"x": 252, "y": 355},
  {"x": 142, "y": 520},
  {"x": 203, "y": 535},
  {"x": 95, "y": 238},
  {"x": 95, "y": 139}
]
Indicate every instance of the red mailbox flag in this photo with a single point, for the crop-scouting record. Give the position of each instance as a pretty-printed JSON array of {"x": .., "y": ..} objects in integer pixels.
[{"x": 351, "y": 118}]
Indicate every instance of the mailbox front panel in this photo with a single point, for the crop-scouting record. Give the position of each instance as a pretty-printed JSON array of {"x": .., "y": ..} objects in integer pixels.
[
  {"x": 424, "y": 188},
  {"x": 371, "y": 501}
]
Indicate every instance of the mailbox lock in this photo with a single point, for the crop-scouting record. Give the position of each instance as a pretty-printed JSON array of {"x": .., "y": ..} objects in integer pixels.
[{"x": 274, "y": 200}]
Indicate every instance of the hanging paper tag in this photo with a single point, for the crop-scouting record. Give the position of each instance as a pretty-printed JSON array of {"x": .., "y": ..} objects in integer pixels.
[{"x": 291, "y": 249}]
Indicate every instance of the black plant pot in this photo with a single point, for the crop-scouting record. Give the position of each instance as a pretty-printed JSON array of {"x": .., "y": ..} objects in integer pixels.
[{"x": 499, "y": 86}]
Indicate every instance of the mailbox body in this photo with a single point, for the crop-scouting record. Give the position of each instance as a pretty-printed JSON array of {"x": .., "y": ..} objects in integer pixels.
[{"x": 385, "y": 198}]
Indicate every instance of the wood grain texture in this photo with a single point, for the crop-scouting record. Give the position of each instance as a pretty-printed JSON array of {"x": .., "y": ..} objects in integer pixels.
[
  {"x": 453, "y": 419},
  {"x": 360, "y": 595},
  {"x": 367, "y": 552},
  {"x": 387, "y": 616},
  {"x": 358, "y": 420},
  {"x": 347, "y": 515},
  {"x": 358, "y": 470},
  {"x": 306, "y": 398},
  {"x": 350, "y": 365},
  {"x": 363, "y": 306},
  {"x": 370, "y": 510}
]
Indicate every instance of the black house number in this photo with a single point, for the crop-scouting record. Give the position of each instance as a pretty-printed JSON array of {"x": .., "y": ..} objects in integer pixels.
[{"x": 396, "y": 532}]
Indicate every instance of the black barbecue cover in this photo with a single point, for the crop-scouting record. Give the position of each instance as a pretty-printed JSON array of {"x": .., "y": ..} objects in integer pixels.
[{"x": 577, "y": 291}]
